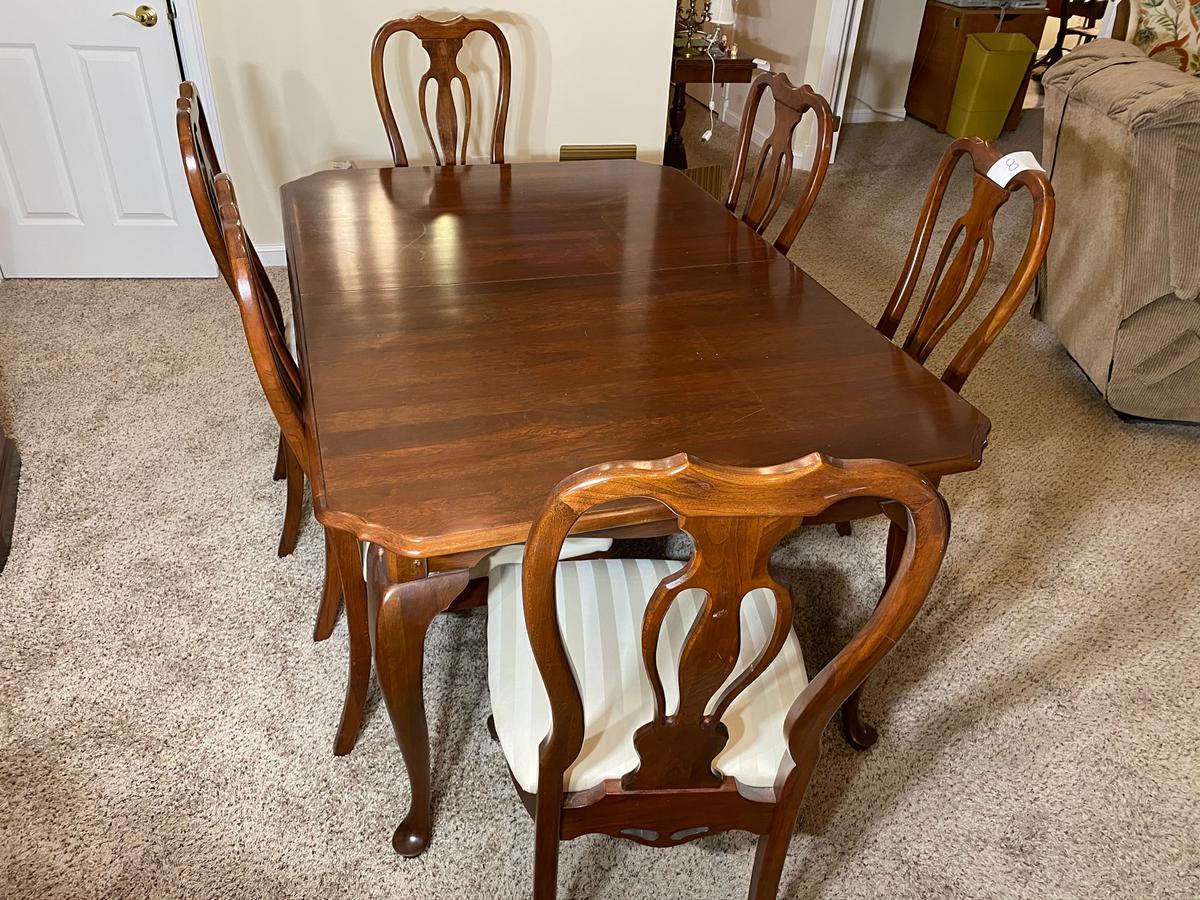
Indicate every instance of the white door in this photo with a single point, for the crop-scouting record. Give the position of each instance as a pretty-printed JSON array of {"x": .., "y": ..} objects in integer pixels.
[
  {"x": 91, "y": 185},
  {"x": 841, "y": 40}
]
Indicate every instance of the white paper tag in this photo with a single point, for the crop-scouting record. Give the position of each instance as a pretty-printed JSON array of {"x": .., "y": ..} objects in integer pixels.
[{"x": 1010, "y": 164}]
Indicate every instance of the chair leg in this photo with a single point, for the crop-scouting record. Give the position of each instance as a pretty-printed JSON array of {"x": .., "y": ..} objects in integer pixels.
[
  {"x": 547, "y": 838},
  {"x": 280, "y": 463},
  {"x": 295, "y": 504},
  {"x": 768, "y": 866},
  {"x": 354, "y": 593},
  {"x": 858, "y": 733},
  {"x": 843, "y": 528},
  {"x": 331, "y": 594},
  {"x": 401, "y": 615}
]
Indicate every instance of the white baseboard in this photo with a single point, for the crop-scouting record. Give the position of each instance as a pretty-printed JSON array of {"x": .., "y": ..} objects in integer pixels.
[
  {"x": 272, "y": 254},
  {"x": 860, "y": 113}
]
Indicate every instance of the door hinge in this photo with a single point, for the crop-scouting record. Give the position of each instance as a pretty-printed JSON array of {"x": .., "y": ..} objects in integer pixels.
[{"x": 172, "y": 15}]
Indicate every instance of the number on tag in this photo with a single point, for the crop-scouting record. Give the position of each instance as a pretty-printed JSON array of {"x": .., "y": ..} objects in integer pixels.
[{"x": 1010, "y": 164}]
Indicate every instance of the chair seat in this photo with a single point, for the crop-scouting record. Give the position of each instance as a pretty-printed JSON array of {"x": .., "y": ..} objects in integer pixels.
[
  {"x": 601, "y": 604},
  {"x": 514, "y": 553}
]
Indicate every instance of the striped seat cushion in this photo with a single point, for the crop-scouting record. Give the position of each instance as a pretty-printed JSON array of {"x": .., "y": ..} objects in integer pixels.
[
  {"x": 600, "y": 607},
  {"x": 514, "y": 553},
  {"x": 289, "y": 336},
  {"x": 571, "y": 548}
]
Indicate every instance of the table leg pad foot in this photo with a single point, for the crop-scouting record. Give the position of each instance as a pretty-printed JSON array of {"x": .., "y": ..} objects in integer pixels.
[
  {"x": 409, "y": 841},
  {"x": 858, "y": 733}
]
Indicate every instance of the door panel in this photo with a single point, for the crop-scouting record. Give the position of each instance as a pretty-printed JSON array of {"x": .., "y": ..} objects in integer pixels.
[
  {"x": 123, "y": 122},
  {"x": 90, "y": 179},
  {"x": 29, "y": 143}
]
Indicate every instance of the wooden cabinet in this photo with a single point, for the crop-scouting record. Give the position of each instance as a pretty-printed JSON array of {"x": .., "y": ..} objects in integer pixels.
[{"x": 940, "y": 47}]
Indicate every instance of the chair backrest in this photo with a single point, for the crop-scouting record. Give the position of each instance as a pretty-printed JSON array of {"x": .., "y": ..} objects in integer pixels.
[
  {"x": 201, "y": 166},
  {"x": 1091, "y": 10},
  {"x": 1115, "y": 22},
  {"x": 966, "y": 256},
  {"x": 735, "y": 517},
  {"x": 442, "y": 42},
  {"x": 277, "y": 371},
  {"x": 773, "y": 173}
]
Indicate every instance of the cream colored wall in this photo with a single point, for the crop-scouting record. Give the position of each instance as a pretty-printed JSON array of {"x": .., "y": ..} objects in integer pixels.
[
  {"x": 887, "y": 41},
  {"x": 293, "y": 84},
  {"x": 790, "y": 35}
]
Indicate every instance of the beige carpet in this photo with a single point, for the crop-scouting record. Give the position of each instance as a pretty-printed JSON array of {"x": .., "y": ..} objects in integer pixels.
[{"x": 167, "y": 722}]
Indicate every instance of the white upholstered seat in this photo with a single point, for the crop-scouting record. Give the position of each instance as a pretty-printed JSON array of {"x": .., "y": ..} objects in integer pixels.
[
  {"x": 513, "y": 553},
  {"x": 600, "y": 607},
  {"x": 289, "y": 336}
]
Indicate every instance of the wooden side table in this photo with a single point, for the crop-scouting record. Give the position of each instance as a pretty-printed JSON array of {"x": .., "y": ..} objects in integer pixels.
[
  {"x": 940, "y": 47},
  {"x": 687, "y": 70},
  {"x": 10, "y": 471}
]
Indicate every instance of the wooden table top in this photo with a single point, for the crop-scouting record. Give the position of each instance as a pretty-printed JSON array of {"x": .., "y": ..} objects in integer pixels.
[{"x": 472, "y": 335}]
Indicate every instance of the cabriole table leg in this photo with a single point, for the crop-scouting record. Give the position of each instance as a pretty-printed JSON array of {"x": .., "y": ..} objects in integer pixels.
[{"x": 400, "y": 615}]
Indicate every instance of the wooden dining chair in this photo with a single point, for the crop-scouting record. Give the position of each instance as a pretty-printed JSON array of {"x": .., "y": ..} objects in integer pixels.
[
  {"x": 442, "y": 42},
  {"x": 776, "y": 160},
  {"x": 966, "y": 256},
  {"x": 715, "y": 725},
  {"x": 956, "y": 280},
  {"x": 202, "y": 166},
  {"x": 281, "y": 382}
]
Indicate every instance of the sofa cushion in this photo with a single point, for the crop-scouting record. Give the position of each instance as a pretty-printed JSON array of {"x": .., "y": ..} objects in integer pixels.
[
  {"x": 1118, "y": 80},
  {"x": 1121, "y": 284}
]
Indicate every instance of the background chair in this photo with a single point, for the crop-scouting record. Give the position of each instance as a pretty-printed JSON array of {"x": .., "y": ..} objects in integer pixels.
[
  {"x": 723, "y": 729},
  {"x": 442, "y": 42},
  {"x": 201, "y": 166},
  {"x": 1091, "y": 11},
  {"x": 776, "y": 161},
  {"x": 957, "y": 278}
]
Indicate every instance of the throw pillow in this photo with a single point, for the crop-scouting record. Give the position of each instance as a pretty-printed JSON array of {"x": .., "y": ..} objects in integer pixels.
[{"x": 1167, "y": 30}]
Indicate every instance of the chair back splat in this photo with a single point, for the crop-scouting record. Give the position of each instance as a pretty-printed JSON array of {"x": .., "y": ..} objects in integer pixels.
[
  {"x": 736, "y": 517},
  {"x": 776, "y": 161},
  {"x": 442, "y": 42},
  {"x": 966, "y": 256}
]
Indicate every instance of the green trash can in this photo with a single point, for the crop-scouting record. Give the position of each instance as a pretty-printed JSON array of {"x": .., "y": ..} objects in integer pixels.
[{"x": 993, "y": 67}]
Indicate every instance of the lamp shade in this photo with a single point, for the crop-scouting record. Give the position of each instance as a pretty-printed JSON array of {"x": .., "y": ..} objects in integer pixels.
[{"x": 722, "y": 12}]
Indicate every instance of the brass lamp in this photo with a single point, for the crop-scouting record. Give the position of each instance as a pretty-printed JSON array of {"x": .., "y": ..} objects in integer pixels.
[{"x": 689, "y": 22}]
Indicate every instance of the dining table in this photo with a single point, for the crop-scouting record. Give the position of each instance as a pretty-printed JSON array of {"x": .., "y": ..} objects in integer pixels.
[{"x": 468, "y": 336}]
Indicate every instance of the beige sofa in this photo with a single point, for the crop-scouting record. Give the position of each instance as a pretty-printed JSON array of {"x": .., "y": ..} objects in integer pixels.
[{"x": 1121, "y": 284}]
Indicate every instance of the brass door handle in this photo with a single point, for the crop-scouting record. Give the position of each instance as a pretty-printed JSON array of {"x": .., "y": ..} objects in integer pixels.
[{"x": 143, "y": 15}]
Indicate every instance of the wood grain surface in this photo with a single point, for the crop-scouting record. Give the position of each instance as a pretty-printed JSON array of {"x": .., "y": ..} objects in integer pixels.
[{"x": 472, "y": 335}]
